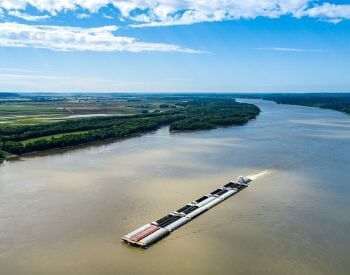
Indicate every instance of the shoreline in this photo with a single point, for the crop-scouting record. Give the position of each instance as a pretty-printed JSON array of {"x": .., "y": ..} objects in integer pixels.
[
  {"x": 104, "y": 141},
  {"x": 111, "y": 140}
]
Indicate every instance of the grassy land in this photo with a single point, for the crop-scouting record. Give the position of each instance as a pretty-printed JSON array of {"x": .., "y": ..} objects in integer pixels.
[
  {"x": 48, "y": 138},
  {"x": 32, "y": 112}
]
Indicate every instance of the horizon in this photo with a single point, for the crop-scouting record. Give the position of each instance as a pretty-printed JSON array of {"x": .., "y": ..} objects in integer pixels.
[{"x": 180, "y": 92}]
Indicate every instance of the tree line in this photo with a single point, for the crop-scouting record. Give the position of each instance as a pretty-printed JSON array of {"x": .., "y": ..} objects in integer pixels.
[{"x": 336, "y": 101}]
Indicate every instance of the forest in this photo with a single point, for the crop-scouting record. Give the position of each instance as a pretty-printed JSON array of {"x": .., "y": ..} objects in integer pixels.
[
  {"x": 189, "y": 115},
  {"x": 334, "y": 101},
  {"x": 337, "y": 102}
]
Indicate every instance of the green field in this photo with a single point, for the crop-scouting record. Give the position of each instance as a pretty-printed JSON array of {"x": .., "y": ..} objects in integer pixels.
[
  {"x": 48, "y": 138},
  {"x": 34, "y": 112}
]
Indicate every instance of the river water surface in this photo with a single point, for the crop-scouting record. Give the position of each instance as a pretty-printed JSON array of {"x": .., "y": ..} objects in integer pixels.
[{"x": 65, "y": 212}]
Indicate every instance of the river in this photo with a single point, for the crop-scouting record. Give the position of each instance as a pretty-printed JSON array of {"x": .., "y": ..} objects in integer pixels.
[{"x": 65, "y": 212}]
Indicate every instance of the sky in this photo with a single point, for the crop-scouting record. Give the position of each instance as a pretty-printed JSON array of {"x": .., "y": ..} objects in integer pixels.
[{"x": 174, "y": 46}]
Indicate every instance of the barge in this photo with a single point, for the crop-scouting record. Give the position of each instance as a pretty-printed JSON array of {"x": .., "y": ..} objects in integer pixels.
[{"x": 157, "y": 230}]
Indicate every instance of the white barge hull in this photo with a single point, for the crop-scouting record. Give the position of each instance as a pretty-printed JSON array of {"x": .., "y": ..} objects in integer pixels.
[
  {"x": 202, "y": 203},
  {"x": 177, "y": 224},
  {"x": 154, "y": 237},
  {"x": 227, "y": 194},
  {"x": 196, "y": 212},
  {"x": 213, "y": 203}
]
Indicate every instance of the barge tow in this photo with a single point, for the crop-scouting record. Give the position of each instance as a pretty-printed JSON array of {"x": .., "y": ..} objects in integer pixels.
[{"x": 154, "y": 231}]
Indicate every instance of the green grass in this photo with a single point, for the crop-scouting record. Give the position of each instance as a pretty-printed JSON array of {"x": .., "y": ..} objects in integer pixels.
[
  {"x": 27, "y": 109},
  {"x": 34, "y": 113},
  {"x": 24, "y": 142},
  {"x": 30, "y": 120}
]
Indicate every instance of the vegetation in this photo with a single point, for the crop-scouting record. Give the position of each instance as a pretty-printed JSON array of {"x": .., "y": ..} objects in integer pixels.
[
  {"x": 27, "y": 109},
  {"x": 2, "y": 155},
  {"x": 4, "y": 95},
  {"x": 208, "y": 114},
  {"x": 337, "y": 101},
  {"x": 50, "y": 137},
  {"x": 189, "y": 114}
]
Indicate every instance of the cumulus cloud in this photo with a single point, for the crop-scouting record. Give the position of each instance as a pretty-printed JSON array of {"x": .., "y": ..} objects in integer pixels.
[
  {"x": 330, "y": 12},
  {"x": 219, "y": 10},
  {"x": 28, "y": 17},
  {"x": 179, "y": 12},
  {"x": 61, "y": 38}
]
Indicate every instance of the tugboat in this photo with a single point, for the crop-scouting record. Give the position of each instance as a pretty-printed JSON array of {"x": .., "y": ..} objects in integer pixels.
[{"x": 243, "y": 180}]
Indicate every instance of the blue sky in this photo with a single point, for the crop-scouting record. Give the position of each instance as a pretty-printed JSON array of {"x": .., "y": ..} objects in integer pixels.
[{"x": 170, "y": 46}]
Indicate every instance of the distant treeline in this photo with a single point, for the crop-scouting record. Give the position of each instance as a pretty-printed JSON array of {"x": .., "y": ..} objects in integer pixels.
[
  {"x": 337, "y": 101},
  {"x": 197, "y": 114},
  {"x": 9, "y": 95},
  {"x": 208, "y": 114}
]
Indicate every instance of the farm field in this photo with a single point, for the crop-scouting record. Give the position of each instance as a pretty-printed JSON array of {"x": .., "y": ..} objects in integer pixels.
[{"x": 33, "y": 111}]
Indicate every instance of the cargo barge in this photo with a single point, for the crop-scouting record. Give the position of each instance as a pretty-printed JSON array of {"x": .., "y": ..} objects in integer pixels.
[{"x": 157, "y": 230}]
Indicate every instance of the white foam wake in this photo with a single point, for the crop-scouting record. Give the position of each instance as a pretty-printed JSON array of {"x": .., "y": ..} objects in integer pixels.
[{"x": 260, "y": 174}]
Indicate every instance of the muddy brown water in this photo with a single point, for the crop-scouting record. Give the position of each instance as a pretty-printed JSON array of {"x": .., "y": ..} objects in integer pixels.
[{"x": 64, "y": 212}]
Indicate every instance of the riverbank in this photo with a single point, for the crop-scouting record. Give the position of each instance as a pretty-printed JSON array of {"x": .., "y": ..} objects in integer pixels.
[
  {"x": 6, "y": 155},
  {"x": 72, "y": 147},
  {"x": 334, "y": 101}
]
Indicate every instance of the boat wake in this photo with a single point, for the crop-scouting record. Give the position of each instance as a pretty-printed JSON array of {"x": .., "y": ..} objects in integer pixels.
[{"x": 259, "y": 175}]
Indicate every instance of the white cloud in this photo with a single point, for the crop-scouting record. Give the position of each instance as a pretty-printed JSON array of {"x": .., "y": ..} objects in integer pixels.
[
  {"x": 330, "y": 12},
  {"x": 57, "y": 83},
  {"x": 281, "y": 49},
  {"x": 18, "y": 70},
  {"x": 176, "y": 12},
  {"x": 41, "y": 82},
  {"x": 27, "y": 17},
  {"x": 83, "y": 15},
  {"x": 61, "y": 38},
  {"x": 107, "y": 16}
]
